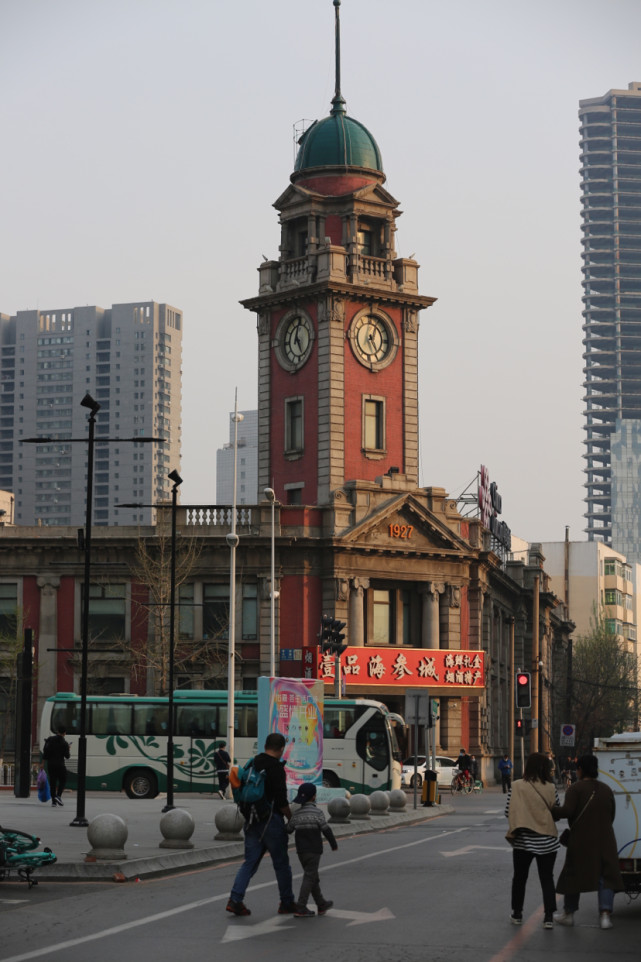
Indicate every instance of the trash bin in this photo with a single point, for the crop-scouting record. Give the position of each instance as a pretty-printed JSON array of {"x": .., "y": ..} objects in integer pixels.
[{"x": 430, "y": 788}]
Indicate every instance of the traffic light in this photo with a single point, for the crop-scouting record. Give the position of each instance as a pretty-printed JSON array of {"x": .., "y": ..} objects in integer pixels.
[
  {"x": 325, "y": 635},
  {"x": 331, "y": 636},
  {"x": 520, "y": 727},
  {"x": 523, "y": 689},
  {"x": 338, "y": 637}
]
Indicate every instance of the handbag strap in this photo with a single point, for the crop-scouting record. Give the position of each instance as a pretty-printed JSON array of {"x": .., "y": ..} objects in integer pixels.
[{"x": 583, "y": 809}]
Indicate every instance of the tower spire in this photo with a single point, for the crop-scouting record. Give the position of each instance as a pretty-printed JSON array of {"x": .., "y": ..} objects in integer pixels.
[{"x": 338, "y": 103}]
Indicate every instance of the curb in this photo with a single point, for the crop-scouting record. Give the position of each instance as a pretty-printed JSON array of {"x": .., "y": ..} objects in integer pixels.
[{"x": 166, "y": 863}]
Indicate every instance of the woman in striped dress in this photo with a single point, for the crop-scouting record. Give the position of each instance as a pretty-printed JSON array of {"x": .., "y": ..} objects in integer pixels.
[{"x": 533, "y": 835}]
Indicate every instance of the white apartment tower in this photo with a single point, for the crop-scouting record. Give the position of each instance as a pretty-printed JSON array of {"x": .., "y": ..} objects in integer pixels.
[{"x": 128, "y": 357}]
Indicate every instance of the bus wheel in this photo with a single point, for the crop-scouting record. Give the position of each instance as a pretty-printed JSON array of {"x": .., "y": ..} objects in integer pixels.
[
  {"x": 140, "y": 783},
  {"x": 330, "y": 780}
]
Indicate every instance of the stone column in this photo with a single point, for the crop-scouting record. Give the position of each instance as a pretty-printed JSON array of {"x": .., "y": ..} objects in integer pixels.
[
  {"x": 356, "y": 625},
  {"x": 47, "y": 638},
  {"x": 430, "y": 633}
]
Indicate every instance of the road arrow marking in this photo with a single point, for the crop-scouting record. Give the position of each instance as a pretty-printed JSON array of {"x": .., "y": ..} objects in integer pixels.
[
  {"x": 472, "y": 848},
  {"x": 235, "y": 933},
  {"x": 361, "y": 918}
]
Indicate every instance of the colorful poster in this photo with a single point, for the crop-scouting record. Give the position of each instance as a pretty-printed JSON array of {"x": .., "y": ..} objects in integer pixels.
[{"x": 294, "y": 707}]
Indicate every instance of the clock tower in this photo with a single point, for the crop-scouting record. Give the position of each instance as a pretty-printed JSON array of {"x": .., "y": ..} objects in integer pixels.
[{"x": 338, "y": 320}]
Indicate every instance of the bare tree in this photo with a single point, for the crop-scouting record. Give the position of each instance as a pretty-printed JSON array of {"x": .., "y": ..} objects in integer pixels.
[
  {"x": 604, "y": 686},
  {"x": 152, "y": 568}
]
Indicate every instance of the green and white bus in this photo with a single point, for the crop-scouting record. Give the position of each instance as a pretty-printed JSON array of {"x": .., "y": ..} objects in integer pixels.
[{"x": 127, "y": 740}]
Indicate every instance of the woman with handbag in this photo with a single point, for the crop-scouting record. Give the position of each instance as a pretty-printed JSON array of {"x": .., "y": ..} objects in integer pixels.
[
  {"x": 532, "y": 834},
  {"x": 591, "y": 861}
]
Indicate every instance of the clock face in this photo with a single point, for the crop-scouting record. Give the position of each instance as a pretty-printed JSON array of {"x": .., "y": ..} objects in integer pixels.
[
  {"x": 297, "y": 340},
  {"x": 371, "y": 338}
]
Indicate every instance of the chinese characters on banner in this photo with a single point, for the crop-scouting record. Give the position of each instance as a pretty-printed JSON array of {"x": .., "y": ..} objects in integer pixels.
[
  {"x": 418, "y": 667},
  {"x": 294, "y": 707}
]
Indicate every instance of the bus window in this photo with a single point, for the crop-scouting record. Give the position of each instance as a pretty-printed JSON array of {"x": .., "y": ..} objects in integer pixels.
[
  {"x": 190, "y": 722},
  {"x": 210, "y": 721},
  {"x": 149, "y": 720},
  {"x": 108, "y": 718},
  {"x": 336, "y": 721},
  {"x": 371, "y": 743},
  {"x": 66, "y": 716},
  {"x": 246, "y": 721}
]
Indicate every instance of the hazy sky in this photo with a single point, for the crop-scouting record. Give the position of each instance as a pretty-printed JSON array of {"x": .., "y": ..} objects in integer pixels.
[{"x": 144, "y": 142}]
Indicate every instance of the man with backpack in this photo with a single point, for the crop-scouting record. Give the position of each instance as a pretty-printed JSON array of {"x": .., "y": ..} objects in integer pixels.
[{"x": 265, "y": 827}]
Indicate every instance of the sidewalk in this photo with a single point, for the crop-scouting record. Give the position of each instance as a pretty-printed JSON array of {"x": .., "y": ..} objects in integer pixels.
[{"x": 142, "y": 818}]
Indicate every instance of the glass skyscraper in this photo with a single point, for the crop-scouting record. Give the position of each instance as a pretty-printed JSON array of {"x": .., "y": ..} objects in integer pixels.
[{"x": 611, "y": 198}]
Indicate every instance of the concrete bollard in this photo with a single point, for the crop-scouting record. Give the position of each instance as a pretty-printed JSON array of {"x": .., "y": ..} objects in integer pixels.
[
  {"x": 397, "y": 800},
  {"x": 177, "y": 826},
  {"x": 338, "y": 809},
  {"x": 107, "y": 835},
  {"x": 359, "y": 807},
  {"x": 229, "y": 823},
  {"x": 379, "y": 803}
]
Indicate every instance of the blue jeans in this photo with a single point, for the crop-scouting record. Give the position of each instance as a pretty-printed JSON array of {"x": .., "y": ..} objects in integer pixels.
[
  {"x": 606, "y": 899},
  {"x": 260, "y": 837}
]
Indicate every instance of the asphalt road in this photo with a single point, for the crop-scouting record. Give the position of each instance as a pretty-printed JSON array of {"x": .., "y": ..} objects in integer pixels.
[{"x": 433, "y": 891}]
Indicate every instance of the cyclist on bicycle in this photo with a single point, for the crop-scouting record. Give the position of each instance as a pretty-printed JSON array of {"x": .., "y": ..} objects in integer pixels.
[{"x": 464, "y": 764}]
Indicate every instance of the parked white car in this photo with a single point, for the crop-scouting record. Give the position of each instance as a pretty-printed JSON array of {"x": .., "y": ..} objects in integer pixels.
[{"x": 445, "y": 768}]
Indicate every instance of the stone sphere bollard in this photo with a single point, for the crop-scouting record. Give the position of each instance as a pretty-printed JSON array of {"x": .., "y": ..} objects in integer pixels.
[
  {"x": 379, "y": 803},
  {"x": 107, "y": 835},
  {"x": 397, "y": 800},
  {"x": 229, "y": 823},
  {"x": 177, "y": 826},
  {"x": 359, "y": 806},
  {"x": 338, "y": 809}
]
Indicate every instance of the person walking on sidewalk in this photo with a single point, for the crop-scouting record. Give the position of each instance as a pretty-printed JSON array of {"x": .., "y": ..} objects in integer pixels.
[
  {"x": 308, "y": 823},
  {"x": 591, "y": 858},
  {"x": 222, "y": 761},
  {"x": 533, "y": 835},
  {"x": 54, "y": 752},
  {"x": 267, "y": 834}
]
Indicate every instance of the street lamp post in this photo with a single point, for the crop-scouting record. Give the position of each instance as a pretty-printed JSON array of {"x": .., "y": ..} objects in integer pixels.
[
  {"x": 232, "y": 540},
  {"x": 80, "y": 819},
  {"x": 177, "y": 481},
  {"x": 273, "y": 594}
]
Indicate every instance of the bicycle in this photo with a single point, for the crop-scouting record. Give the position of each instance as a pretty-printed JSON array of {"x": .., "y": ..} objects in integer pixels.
[
  {"x": 462, "y": 784},
  {"x": 17, "y": 852}
]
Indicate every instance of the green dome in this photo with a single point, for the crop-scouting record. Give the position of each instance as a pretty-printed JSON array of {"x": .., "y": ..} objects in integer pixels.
[{"x": 338, "y": 141}]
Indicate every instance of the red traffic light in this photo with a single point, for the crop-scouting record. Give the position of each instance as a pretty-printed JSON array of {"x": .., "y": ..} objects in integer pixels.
[{"x": 523, "y": 689}]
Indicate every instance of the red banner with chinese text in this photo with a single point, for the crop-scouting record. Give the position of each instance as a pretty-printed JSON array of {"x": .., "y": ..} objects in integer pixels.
[{"x": 418, "y": 667}]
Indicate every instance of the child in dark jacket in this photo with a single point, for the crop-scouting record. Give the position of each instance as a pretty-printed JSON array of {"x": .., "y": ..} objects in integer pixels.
[{"x": 308, "y": 822}]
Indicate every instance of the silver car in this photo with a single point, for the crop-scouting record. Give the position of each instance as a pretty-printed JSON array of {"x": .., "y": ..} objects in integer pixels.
[{"x": 444, "y": 769}]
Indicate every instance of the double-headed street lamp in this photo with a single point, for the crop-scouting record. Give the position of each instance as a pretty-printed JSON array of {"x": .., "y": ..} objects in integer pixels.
[{"x": 93, "y": 406}]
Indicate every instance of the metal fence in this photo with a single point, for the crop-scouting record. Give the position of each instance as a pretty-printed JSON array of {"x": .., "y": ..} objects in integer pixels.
[{"x": 8, "y": 773}]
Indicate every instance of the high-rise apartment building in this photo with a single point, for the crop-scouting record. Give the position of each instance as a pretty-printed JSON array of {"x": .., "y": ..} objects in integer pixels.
[
  {"x": 246, "y": 463},
  {"x": 128, "y": 357},
  {"x": 611, "y": 195}
]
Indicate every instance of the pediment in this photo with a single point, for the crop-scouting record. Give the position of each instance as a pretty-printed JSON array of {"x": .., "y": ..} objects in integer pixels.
[
  {"x": 406, "y": 525},
  {"x": 294, "y": 195}
]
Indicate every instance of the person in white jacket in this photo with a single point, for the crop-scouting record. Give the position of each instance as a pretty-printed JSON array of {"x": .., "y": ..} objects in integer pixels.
[{"x": 533, "y": 835}]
